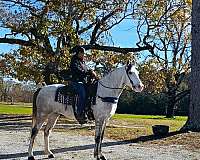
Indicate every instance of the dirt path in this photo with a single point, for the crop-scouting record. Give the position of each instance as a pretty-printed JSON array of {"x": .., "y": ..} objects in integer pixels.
[{"x": 14, "y": 139}]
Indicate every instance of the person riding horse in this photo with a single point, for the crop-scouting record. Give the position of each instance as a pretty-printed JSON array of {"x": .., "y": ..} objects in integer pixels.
[
  {"x": 109, "y": 88},
  {"x": 79, "y": 72}
]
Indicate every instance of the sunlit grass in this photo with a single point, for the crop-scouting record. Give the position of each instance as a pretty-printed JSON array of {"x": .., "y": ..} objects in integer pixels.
[
  {"x": 131, "y": 116},
  {"x": 18, "y": 108},
  {"x": 128, "y": 127},
  {"x": 142, "y": 124}
]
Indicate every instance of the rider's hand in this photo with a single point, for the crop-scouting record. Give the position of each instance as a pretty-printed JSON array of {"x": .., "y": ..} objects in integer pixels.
[{"x": 94, "y": 75}]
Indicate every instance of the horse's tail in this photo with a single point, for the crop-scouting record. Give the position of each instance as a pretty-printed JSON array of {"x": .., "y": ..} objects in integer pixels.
[{"x": 34, "y": 111}]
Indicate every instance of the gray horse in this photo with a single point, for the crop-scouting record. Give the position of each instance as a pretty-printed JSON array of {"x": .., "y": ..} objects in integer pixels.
[{"x": 46, "y": 109}]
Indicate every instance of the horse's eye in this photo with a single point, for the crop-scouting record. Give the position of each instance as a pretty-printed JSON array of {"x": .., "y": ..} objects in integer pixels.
[{"x": 130, "y": 72}]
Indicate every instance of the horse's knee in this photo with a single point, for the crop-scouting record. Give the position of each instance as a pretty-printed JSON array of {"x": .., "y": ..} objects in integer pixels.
[
  {"x": 34, "y": 132},
  {"x": 46, "y": 132}
]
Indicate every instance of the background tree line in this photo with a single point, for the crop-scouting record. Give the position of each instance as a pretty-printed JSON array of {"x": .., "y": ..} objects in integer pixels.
[{"x": 12, "y": 92}]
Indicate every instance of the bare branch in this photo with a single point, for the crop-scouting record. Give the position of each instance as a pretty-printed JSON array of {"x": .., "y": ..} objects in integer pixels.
[
  {"x": 17, "y": 41},
  {"x": 117, "y": 49},
  {"x": 98, "y": 25}
]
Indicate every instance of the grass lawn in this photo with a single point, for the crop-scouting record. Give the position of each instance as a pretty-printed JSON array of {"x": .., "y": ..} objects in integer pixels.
[
  {"x": 141, "y": 125},
  {"x": 128, "y": 127},
  {"x": 129, "y": 116},
  {"x": 121, "y": 126},
  {"x": 18, "y": 108}
]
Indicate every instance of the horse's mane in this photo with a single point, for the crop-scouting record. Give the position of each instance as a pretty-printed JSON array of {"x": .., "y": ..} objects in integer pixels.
[{"x": 112, "y": 71}]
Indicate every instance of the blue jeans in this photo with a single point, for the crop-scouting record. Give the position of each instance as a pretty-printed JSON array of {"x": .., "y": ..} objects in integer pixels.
[{"x": 80, "y": 90}]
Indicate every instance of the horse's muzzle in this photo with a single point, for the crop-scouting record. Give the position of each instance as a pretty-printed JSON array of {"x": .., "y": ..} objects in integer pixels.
[{"x": 138, "y": 88}]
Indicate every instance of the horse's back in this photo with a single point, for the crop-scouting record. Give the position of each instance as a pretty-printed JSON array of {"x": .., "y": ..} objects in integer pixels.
[
  {"x": 52, "y": 87},
  {"x": 48, "y": 92}
]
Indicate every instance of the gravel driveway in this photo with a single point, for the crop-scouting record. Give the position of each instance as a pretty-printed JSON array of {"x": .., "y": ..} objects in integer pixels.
[{"x": 14, "y": 139}]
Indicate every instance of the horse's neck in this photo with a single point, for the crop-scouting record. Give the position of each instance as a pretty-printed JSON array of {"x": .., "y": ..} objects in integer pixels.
[{"x": 113, "y": 81}]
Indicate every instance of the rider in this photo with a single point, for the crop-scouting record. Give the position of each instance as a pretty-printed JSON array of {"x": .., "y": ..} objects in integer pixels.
[{"x": 79, "y": 73}]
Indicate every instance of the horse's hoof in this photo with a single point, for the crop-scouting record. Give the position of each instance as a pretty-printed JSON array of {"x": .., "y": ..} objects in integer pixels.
[
  {"x": 103, "y": 158},
  {"x": 31, "y": 158},
  {"x": 51, "y": 156}
]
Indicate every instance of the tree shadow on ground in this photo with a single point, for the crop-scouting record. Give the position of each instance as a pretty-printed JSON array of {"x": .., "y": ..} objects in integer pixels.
[
  {"x": 91, "y": 146},
  {"x": 14, "y": 117},
  {"x": 14, "y": 122}
]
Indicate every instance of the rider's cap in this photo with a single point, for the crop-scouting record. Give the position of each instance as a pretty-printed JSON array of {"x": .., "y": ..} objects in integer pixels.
[{"x": 78, "y": 49}]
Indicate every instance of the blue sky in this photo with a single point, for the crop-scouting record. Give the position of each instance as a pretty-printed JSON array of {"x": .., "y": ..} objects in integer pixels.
[
  {"x": 124, "y": 34},
  {"x": 4, "y": 47}
]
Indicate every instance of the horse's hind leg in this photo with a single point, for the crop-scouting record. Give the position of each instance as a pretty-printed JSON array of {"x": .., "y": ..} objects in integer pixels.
[
  {"x": 99, "y": 132},
  {"x": 35, "y": 129},
  {"x": 52, "y": 119}
]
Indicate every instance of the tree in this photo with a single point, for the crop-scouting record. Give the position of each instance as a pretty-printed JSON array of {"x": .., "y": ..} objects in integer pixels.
[
  {"x": 152, "y": 76},
  {"x": 48, "y": 30},
  {"x": 193, "y": 122},
  {"x": 167, "y": 25}
]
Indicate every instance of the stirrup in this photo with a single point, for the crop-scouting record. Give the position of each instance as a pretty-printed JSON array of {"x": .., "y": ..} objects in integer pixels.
[{"x": 81, "y": 118}]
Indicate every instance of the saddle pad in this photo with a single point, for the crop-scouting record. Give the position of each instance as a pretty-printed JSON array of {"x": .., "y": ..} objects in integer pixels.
[
  {"x": 65, "y": 95},
  {"x": 64, "y": 99}
]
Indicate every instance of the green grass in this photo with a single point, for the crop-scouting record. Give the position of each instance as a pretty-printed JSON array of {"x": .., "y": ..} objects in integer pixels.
[
  {"x": 129, "y": 116},
  {"x": 147, "y": 121},
  {"x": 18, "y": 108},
  {"x": 128, "y": 127}
]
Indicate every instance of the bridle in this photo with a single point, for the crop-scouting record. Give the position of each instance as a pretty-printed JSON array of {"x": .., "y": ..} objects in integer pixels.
[{"x": 127, "y": 70}]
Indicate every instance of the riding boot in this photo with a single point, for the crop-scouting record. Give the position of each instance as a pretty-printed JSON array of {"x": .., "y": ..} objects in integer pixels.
[{"x": 81, "y": 118}]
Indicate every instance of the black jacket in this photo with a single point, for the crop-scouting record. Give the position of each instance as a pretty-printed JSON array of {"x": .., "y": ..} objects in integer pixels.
[{"x": 78, "y": 69}]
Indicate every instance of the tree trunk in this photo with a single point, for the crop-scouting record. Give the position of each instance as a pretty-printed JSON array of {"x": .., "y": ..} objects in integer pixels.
[
  {"x": 171, "y": 97},
  {"x": 193, "y": 122},
  {"x": 171, "y": 104},
  {"x": 47, "y": 78},
  {"x": 50, "y": 68}
]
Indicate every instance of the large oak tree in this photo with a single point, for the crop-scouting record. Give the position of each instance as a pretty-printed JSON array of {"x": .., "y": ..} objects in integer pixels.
[
  {"x": 193, "y": 122},
  {"x": 47, "y": 30}
]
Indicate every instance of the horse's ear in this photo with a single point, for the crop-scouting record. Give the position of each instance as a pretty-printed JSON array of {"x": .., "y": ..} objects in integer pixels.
[
  {"x": 129, "y": 62},
  {"x": 128, "y": 66}
]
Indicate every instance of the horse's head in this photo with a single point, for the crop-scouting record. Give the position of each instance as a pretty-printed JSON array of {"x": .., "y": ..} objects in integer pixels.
[{"x": 133, "y": 79}]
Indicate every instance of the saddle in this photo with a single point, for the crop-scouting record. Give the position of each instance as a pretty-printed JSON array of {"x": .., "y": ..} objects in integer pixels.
[{"x": 67, "y": 95}]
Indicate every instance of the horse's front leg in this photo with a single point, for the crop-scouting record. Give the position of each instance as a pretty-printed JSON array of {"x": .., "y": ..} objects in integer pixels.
[
  {"x": 50, "y": 124},
  {"x": 99, "y": 132}
]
